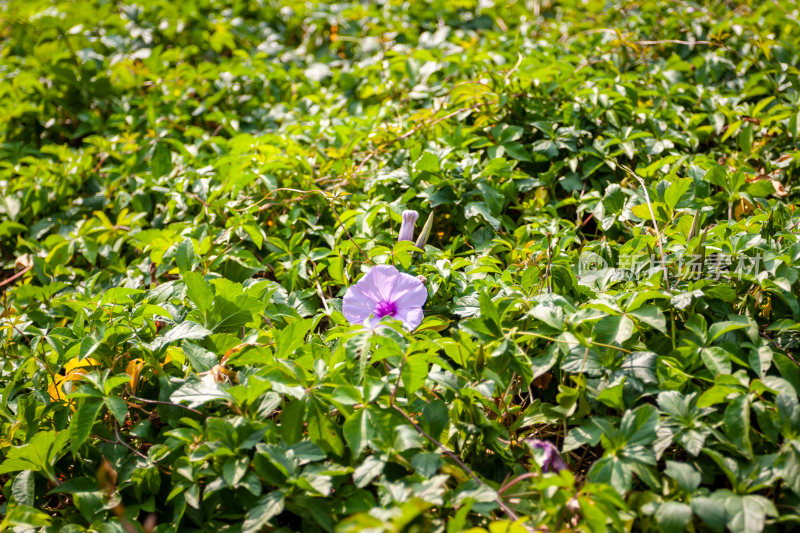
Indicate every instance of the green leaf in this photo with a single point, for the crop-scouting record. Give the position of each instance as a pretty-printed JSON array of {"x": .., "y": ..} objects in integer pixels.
[
  {"x": 716, "y": 394},
  {"x": 685, "y": 475},
  {"x": 415, "y": 370},
  {"x": 717, "y": 360},
  {"x": 517, "y": 151},
  {"x": 642, "y": 211},
  {"x": 117, "y": 407},
  {"x": 639, "y": 426},
  {"x": 587, "y": 433},
  {"x": 201, "y": 359},
  {"x": 267, "y": 507},
  {"x": 24, "y": 516},
  {"x": 612, "y": 396},
  {"x": 711, "y": 510},
  {"x": 402, "y": 253},
  {"x": 39, "y": 454},
  {"x": 613, "y": 471},
  {"x": 480, "y": 209},
  {"x": 292, "y": 418},
  {"x": 145, "y": 480},
  {"x": 115, "y": 381},
  {"x": 542, "y": 364},
  {"x": 720, "y": 328},
  {"x": 87, "y": 347},
  {"x": 746, "y": 139},
  {"x": 184, "y": 330},
  {"x": 489, "y": 311},
  {"x": 673, "y": 517},
  {"x": 789, "y": 370},
  {"x": 717, "y": 175},
  {"x": 613, "y": 198},
  {"x": 547, "y": 147},
  {"x": 791, "y": 466},
  {"x": 747, "y": 514},
  {"x": 321, "y": 430},
  {"x": 292, "y": 337},
  {"x": 427, "y": 464},
  {"x": 760, "y": 188},
  {"x": 161, "y": 164},
  {"x": 676, "y": 191},
  {"x": 641, "y": 366},
  {"x": 435, "y": 418},
  {"x": 652, "y": 316},
  {"x": 347, "y": 395},
  {"x": 184, "y": 258},
  {"x": 760, "y": 360},
  {"x": 82, "y": 421},
  {"x": 578, "y": 358},
  {"x": 358, "y": 430},
  {"x": 789, "y": 412},
  {"x": 737, "y": 424},
  {"x": 23, "y": 487},
  {"x": 199, "y": 291},
  {"x": 428, "y": 162},
  {"x": 119, "y": 295},
  {"x": 255, "y": 233},
  {"x": 370, "y": 468},
  {"x": 197, "y": 393},
  {"x": 613, "y": 329},
  {"x": 234, "y": 470}
]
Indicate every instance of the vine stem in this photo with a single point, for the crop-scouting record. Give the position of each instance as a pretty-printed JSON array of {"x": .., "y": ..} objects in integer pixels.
[
  {"x": 506, "y": 509},
  {"x": 433, "y": 122},
  {"x": 553, "y": 339},
  {"x": 397, "y": 384},
  {"x": 330, "y": 204},
  {"x": 516, "y": 480},
  {"x": 145, "y": 400},
  {"x": 16, "y": 276}
]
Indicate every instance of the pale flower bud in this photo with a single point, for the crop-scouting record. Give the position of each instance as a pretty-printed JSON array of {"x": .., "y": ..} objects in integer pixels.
[{"x": 407, "y": 228}]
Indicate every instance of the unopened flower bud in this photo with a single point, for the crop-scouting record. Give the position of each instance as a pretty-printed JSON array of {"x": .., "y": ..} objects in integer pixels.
[
  {"x": 425, "y": 233},
  {"x": 550, "y": 458},
  {"x": 407, "y": 228}
]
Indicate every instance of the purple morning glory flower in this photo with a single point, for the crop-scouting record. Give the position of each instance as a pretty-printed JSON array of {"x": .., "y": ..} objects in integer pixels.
[
  {"x": 551, "y": 458},
  {"x": 407, "y": 227},
  {"x": 382, "y": 292}
]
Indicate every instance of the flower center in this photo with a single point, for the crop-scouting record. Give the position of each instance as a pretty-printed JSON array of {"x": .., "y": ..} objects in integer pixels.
[{"x": 386, "y": 309}]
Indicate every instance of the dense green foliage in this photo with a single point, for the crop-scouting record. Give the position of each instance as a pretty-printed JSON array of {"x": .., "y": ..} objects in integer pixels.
[{"x": 189, "y": 187}]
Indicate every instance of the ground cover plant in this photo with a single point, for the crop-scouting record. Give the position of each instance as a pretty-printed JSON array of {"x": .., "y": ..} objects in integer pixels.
[{"x": 199, "y": 221}]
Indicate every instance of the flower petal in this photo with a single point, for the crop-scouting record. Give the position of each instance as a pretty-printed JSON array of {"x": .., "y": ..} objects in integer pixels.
[
  {"x": 411, "y": 317},
  {"x": 379, "y": 281},
  {"x": 384, "y": 284},
  {"x": 357, "y": 305},
  {"x": 414, "y": 296},
  {"x": 408, "y": 291}
]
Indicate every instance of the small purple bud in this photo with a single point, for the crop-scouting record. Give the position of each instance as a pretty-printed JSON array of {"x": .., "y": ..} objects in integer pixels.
[
  {"x": 551, "y": 458},
  {"x": 407, "y": 228}
]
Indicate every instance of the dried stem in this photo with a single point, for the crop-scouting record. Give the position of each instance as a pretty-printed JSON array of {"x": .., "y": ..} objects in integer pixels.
[
  {"x": 653, "y": 219},
  {"x": 330, "y": 204}
]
